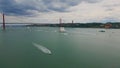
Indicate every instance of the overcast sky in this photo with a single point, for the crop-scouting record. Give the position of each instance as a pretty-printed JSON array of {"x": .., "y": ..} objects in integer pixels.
[{"x": 49, "y": 11}]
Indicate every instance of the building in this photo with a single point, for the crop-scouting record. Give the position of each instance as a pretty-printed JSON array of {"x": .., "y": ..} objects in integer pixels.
[{"x": 108, "y": 25}]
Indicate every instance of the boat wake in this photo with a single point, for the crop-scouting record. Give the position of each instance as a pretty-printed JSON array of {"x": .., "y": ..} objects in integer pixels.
[{"x": 42, "y": 48}]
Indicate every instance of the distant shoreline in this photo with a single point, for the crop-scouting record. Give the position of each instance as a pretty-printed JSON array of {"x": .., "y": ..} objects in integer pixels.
[
  {"x": 115, "y": 25},
  {"x": 78, "y": 25}
]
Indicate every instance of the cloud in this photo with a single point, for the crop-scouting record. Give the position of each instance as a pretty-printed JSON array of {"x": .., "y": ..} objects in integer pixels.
[
  {"x": 46, "y": 11},
  {"x": 31, "y": 7}
]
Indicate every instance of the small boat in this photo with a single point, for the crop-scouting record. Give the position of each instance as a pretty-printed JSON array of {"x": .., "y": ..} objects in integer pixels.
[
  {"x": 42, "y": 48},
  {"x": 62, "y": 29},
  {"x": 102, "y": 31}
]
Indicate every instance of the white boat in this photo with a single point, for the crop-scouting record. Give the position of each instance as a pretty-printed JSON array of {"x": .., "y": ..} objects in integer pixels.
[
  {"x": 62, "y": 29},
  {"x": 42, "y": 48}
]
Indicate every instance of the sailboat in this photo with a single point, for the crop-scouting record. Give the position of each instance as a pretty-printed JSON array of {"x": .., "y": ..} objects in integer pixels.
[{"x": 61, "y": 29}]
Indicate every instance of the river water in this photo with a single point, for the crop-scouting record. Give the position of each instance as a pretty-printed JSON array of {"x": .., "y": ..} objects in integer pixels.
[{"x": 76, "y": 48}]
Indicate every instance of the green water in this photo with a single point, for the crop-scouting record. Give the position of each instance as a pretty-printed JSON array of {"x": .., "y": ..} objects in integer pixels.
[{"x": 77, "y": 48}]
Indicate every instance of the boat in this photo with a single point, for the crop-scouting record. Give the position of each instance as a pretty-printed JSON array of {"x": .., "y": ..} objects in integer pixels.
[
  {"x": 102, "y": 31},
  {"x": 61, "y": 29},
  {"x": 42, "y": 48}
]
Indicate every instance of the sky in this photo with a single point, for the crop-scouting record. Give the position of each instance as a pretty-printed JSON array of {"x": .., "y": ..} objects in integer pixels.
[{"x": 49, "y": 11}]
